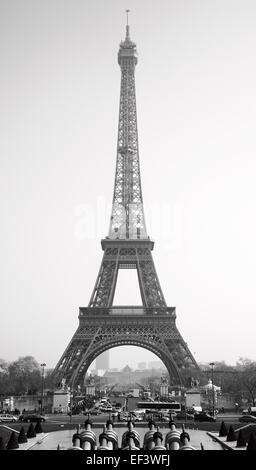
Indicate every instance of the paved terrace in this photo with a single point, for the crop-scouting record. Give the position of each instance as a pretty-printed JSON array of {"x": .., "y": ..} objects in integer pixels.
[{"x": 133, "y": 436}]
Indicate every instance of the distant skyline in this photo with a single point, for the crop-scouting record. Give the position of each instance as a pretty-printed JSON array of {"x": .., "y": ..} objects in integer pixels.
[{"x": 196, "y": 104}]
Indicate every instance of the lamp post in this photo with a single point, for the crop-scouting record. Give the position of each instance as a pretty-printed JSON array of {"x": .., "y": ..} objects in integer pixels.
[
  {"x": 185, "y": 406},
  {"x": 212, "y": 364},
  {"x": 71, "y": 402},
  {"x": 42, "y": 390}
]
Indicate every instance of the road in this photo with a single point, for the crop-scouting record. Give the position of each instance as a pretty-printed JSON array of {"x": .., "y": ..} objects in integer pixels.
[
  {"x": 63, "y": 422},
  {"x": 230, "y": 418}
]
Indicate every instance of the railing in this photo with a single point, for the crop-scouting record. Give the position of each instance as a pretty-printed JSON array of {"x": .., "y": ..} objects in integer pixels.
[{"x": 126, "y": 311}]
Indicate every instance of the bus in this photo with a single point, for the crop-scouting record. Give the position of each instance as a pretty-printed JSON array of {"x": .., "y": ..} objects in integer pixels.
[{"x": 159, "y": 406}]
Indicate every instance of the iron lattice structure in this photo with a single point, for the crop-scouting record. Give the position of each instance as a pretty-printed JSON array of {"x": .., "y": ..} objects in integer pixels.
[
  {"x": 127, "y": 246},
  {"x": 127, "y": 219}
]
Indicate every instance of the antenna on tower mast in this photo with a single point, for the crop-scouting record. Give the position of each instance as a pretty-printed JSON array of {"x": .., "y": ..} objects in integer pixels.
[
  {"x": 127, "y": 16},
  {"x": 127, "y": 26}
]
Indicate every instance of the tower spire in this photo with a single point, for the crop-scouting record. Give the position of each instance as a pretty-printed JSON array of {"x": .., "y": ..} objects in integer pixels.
[
  {"x": 127, "y": 38},
  {"x": 127, "y": 17}
]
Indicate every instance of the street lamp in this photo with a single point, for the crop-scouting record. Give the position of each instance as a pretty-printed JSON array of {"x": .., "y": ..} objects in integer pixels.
[
  {"x": 42, "y": 390},
  {"x": 185, "y": 406},
  {"x": 71, "y": 401},
  {"x": 212, "y": 364}
]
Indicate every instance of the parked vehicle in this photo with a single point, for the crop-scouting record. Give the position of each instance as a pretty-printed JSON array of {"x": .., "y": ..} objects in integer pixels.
[
  {"x": 106, "y": 409},
  {"x": 117, "y": 406},
  {"x": 196, "y": 410},
  {"x": 76, "y": 411},
  {"x": 136, "y": 415},
  {"x": 165, "y": 418},
  {"x": 159, "y": 416},
  {"x": 34, "y": 417},
  {"x": 94, "y": 411},
  {"x": 183, "y": 415},
  {"x": 204, "y": 417},
  {"x": 137, "y": 418},
  {"x": 124, "y": 416},
  {"x": 160, "y": 407},
  {"x": 250, "y": 411},
  {"x": 8, "y": 418},
  {"x": 247, "y": 419}
]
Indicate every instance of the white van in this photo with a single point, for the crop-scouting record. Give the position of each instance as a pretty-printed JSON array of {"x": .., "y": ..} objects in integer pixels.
[
  {"x": 197, "y": 409},
  {"x": 252, "y": 410}
]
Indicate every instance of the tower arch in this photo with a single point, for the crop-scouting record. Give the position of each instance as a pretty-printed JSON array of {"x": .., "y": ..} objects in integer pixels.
[{"x": 86, "y": 360}]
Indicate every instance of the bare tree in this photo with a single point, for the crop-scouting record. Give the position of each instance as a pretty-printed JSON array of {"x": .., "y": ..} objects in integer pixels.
[{"x": 246, "y": 378}]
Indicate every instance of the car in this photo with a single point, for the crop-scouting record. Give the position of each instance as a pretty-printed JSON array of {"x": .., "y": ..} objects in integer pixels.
[
  {"x": 130, "y": 416},
  {"x": 117, "y": 405},
  {"x": 106, "y": 409},
  {"x": 94, "y": 411},
  {"x": 8, "y": 419},
  {"x": 135, "y": 416},
  {"x": 250, "y": 411},
  {"x": 204, "y": 417},
  {"x": 125, "y": 416},
  {"x": 104, "y": 404},
  {"x": 247, "y": 419},
  {"x": 191, "y": 410},
  {"x": 77, "y": 411},
  {"x": 183, "y": 415},
  {"x": 165, "y": 418},
  {"x": 33, "y": 417}
]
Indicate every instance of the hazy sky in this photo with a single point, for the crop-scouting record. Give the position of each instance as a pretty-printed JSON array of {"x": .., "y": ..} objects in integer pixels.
[{"x": 196, "y": 104}]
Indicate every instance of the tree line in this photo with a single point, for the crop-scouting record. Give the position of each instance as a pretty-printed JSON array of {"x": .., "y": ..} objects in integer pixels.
[
  {"x": 238, "y": 380},
  {"x": 23, "y": 376}
]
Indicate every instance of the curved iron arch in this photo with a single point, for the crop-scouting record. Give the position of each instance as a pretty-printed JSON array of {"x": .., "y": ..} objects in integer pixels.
[{"x": 87, "y": 359}]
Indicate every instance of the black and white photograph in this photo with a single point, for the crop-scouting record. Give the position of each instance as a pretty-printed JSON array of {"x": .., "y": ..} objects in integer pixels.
[{"x": 128, "y": 228}]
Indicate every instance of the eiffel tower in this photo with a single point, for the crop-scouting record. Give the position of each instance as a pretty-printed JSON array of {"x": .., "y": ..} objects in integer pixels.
[{"x": 101, "y": 325}]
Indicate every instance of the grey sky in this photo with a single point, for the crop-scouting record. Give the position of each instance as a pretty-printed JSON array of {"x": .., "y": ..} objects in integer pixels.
[{"x": 196, "y": 104}]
